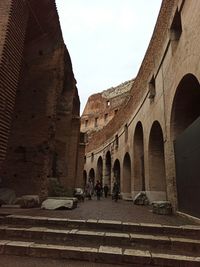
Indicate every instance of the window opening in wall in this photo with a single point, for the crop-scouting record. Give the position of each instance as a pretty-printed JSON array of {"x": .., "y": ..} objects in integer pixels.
[
  {"x": 126, "y": 132},
  {"x": 176, "y": 27},
  {"x": 116, "y": 141},
  {"x": 116, "y": 110},
  {"x": 106, "y": 117},
  {"x": 96, "y": 122},
  {"x": 85, "y": 159},
  {"x": 108, "y": 103},
  {"x": 152, "y": 88},
  {"x": 92, "y": 157},
  {"x": 86, "y": 123}
]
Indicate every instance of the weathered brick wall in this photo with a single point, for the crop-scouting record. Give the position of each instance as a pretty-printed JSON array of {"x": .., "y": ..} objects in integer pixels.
[
  {"x": 13, "y": 18},
  {"x": 102, "y": 107},
  {"x": 67, "y": 128},
  {"x": 45, "y": 104}
]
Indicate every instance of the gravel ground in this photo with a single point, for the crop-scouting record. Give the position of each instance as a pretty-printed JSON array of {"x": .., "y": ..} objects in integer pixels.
[{"x": 106, "y": 209}]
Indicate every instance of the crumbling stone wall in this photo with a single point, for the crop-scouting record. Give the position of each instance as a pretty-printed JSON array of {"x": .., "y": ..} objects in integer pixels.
[
  {"x": 102, "y": 107},
  {"x": 43, "y": 140}
]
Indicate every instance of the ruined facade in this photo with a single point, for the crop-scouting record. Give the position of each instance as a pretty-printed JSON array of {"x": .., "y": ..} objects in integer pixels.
[
  {"x": 102, "y": 107},
  {"x": 152, "y": 144},
  {"x": 39, "y": 116}
]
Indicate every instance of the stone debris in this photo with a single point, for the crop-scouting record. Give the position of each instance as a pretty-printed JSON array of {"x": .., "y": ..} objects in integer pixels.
[
  {"x": 55, "y": 204},
  {"x": 141, "y": 199},
  {"x": 7, "y": 196},
  {"x": 162, "y": 207},
  {"x": 28, "y": 201}
]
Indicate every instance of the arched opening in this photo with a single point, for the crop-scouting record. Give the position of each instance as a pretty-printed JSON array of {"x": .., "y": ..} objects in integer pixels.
[
  {"x": 116, "y": 171},
  {"x": 138, "y": 145},
  {"x": 157, "y": 176},
  {"x": 84, "y": 178},
  {"x": 107, "y": 177},
  {"x": 185, "y": 132},
  {"x": 126, "y": 175},
  {"x": 186, "y": 105},
  {"x": 92, "y": 175},
  {"x": 99, "y": 172}
]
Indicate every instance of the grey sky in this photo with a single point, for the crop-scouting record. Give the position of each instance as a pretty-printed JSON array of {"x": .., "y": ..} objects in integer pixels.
[{"x": 106, "y": 39}]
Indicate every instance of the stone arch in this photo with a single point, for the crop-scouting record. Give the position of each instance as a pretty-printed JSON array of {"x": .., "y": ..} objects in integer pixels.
[
  {"x": 185, "y": 132},
  {"x": 138, "y": 153},
  {"x": 107, "y": 176},
  {"x": 126, "y": 175},
  {"x": 92, "y": 175},
  {"x": 185, "y": 107},
  {"x": 157, "y": 175},
  {"x": 99, "y": 171},
  {"x": 84, "y": 178},
  {"x": 117, "y": 172}
]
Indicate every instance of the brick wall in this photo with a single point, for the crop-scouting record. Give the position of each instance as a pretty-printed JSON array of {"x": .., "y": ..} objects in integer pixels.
[
  {"x": 43, "y": 112},
  {"x": 13, "y": 20}
]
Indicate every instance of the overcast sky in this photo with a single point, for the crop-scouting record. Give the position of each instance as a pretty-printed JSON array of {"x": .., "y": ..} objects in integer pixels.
[{"x": 106, "y": 39}]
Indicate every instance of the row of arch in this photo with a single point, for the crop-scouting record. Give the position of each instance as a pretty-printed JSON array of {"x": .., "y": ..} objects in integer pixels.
[
  {"x": 157, "y": 169},
  {"x": 130, "y": 173}
]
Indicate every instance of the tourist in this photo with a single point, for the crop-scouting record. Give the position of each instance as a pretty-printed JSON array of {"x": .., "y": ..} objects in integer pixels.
[
  {"x": 105, "y": 189},
  {"x": 115, "y": 191},
  {"x": 89, "y": 189},
  {"x": 98, "y": 189}
]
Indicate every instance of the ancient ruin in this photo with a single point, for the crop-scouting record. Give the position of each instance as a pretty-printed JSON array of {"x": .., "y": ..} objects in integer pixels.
[
  {"x": 145, "y": 137},
  {"x": 102, "y": 107},
  {"x": 151, "y": 145},
  {"x": 39, "y": 117}
]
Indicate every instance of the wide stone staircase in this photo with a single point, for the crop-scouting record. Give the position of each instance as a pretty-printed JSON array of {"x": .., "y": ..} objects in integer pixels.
[{"x": 129, "y": 244}]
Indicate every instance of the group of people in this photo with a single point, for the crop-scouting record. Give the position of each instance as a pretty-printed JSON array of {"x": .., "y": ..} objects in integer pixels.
[{"x": 90, "y": 189}]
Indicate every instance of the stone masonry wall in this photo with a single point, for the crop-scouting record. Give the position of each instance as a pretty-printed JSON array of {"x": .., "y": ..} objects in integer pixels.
[
  {"x": 12, "y": 33},
  {"x": 45, "y": 77}
]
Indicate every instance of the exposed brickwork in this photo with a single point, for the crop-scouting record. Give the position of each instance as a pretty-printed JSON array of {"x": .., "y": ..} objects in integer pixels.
[
  {"x": 13, "y": 26},
  {"x": 43, "y": 100},
  {"x": 102, "y": 107}
]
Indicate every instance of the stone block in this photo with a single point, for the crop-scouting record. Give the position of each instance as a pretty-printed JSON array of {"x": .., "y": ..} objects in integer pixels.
[
  {"x": 162, "y": 207},
  {"x": 28, "y": 201},
  {"x": 55, "y": 204},
  {"x": 141, "y": 199},
  {"x": 133, "y": 256}
]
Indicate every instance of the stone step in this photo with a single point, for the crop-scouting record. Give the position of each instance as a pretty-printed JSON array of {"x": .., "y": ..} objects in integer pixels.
[
  {"x": 101, "y": 225},
  {"x": 185, "y": 246},
  {"x": 104, "y": 254}
]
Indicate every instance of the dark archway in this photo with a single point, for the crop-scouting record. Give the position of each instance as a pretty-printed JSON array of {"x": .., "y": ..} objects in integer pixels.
[
  {"x": 107, "y": 177},
  {"x": 157, "y": 176},
  {"x": 126, "y": 174},
  {"x": 138, "y": 145},
  {"x": 185, "y": 132},
  {"x": 99, "y": 171},
  {"x": 116, "y": 171},
  {"x": 186, "y": 105}
]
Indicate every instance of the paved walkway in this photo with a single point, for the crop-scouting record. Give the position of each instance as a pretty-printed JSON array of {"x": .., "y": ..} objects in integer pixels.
[{"x": 106, "y": 209}]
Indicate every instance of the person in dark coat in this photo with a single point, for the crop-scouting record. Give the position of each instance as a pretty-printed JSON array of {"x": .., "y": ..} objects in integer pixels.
[
  {"x": 115, "y": 191},
  {"x": 98, "y": 189},
  {"x": 105, "y": 189}
]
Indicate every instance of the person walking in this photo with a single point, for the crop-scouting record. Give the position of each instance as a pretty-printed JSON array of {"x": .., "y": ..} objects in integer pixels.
[
  {"x": 105, "y": 189},
  {"x": 98, "y": 189},
  {"x": 89, "y": 189},
  {"x": 115, "y": 191}
]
